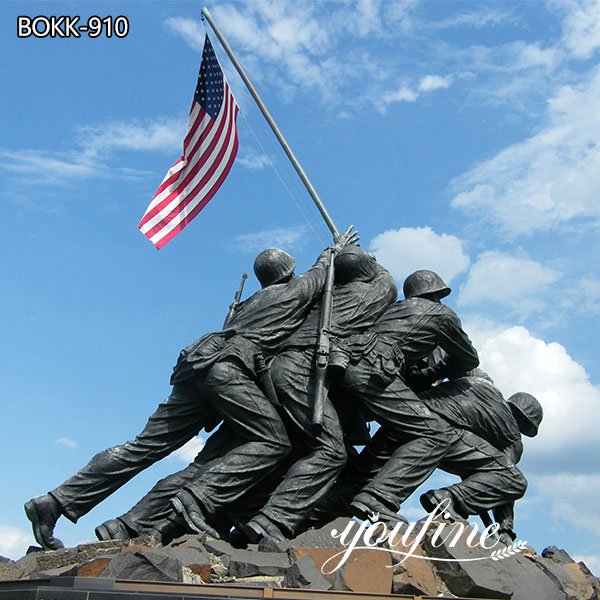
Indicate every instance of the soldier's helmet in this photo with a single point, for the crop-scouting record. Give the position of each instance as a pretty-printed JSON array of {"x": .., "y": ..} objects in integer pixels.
[
  {"x": 353, "y": 263},
  {"x": 527, "y": 411},
  {"x": 273, "y": 266},
  {"x": 424, "y": 282}
]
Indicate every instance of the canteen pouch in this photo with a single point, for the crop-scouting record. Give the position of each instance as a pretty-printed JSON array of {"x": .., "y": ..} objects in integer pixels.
[{"x": 388, "y": 365}]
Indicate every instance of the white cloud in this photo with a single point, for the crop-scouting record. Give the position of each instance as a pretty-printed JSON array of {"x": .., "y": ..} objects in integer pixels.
[
  {"x": 504, "y": 279},
  {"x": 96, "y": 145},
  {"x": 284, "y": 238},
  {"x": 575, "y": 498},
  {"x": 66, "y": 442},
  {"x": 430, "y": 83},
  {"x": 39, "y": 166},
  {"x": 159, "y": 134},
  {"x": 305, "y": 46},
  {"x": 253, "y": 160},
  {"x": 479, "y": 18},
  {"x": 518, "y": 361},
  {"x": 190, "y": 30},
  {"x": 188, "y": 452},
  {"x": 581, "y": 26},
  {"x": 14, "y": 542},
  {"x": 547, "y": 180},
  {"x": 407, "y": 93},
  {"x": 405, "y": 250},
  {"x": 401, "y": 94}
]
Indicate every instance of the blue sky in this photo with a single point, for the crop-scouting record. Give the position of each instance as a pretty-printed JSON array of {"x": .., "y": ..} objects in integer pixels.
[{"x": 462, "y": 137}]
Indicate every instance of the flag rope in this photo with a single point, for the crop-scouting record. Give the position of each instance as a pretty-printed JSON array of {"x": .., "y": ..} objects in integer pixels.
[{"x": 283, "y": 183}]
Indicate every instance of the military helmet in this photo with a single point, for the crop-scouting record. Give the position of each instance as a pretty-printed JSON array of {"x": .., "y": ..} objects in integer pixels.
[
  {"x": 273, "y": 265},
  {"x": 527, "y": 411},
  {"x": 354, "y": 263},
  {"x": 421, "y": 283}
]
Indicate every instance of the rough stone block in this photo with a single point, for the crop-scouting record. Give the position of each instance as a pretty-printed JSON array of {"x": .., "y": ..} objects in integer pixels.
[
  {"x": 202, "y": 571},
  {"x": 269, "y": 545},
  {"x": 319, "y": 556},
  {"x": 42, "y": 562},
  {"x": 571, "y": 581},
  {"x": 136, "y": 548},
  {"x": 304, "y": 574},
  {"x": 219, "y": 547},
  {"x": 245, "y": 563},
  {"x": 185, "y": 555},
  {"x": 190, "y": 540},
  {"x": 65, "y": 571},
  {"x": 321, "y": 538},
  {"x": 367, "y": 571},
  {"x": 94, "y": 567},
  {"x": 414, "y": 576},
  {"x": 9, "y": 571},
  {"x": 557, "y": 555},
  {"x": 144, "y": 566},
  {"x": 473, "y": 573}
]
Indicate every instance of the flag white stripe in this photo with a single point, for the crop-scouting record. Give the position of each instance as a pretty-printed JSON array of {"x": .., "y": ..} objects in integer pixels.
[
  {"x": 209, "y": 149},
  {"x": 187, "y": 166},
  {"x": 200, "y": 196},
  {"x": 183, "y": 166},
  {"x": 226, "y": 113},
  {"x": 181, "y": 162}
]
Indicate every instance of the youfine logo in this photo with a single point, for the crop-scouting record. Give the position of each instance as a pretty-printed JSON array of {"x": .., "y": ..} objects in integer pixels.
[{"x": 403, "y": 539}]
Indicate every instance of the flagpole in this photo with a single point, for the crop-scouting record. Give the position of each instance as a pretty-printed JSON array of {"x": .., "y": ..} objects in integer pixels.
[{"x": 286, "y": 148}]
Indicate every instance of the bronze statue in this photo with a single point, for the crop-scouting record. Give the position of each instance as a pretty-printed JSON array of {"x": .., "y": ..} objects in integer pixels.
[{"x": 213, "y": 379}]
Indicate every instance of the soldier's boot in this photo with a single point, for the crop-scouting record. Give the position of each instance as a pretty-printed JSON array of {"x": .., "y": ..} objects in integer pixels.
[
  {"x": 114, "y": 529},
  {"x": 192, "y": 513},
  {"x": 260, "y": 527},
  {"x": 43, "y": 512},
  {"x": 433, "y": 498},
  {"x": 169, "y": 529},
  {"x": 364, "y": 506},
  {"x": 506, "y": 536}
]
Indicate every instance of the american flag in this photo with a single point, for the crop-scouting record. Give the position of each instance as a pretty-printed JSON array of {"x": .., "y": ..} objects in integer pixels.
[{"x": 209, "y": 149}]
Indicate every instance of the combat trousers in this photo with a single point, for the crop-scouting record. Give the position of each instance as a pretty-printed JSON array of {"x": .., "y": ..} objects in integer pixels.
[
  {"x": 322, "y": 457},
  {"x": 227, "y": 389},
  {"x": 153, "y": 512},
  {"x": 424, "y": 438},
  {"x": 176, "y": 420},
  {"x": 262, "y": 437},
  {"x": 489, "y": 477}
]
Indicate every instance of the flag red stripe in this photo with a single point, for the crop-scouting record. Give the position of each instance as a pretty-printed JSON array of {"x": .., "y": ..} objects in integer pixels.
[
  {"x": 173, "y": 179},
  {"x": 189, "y": 203},
  {"x": 193, "y": 192},
  {"x": 160, "y": 243},
  {"x": 193, "y": 167},
  {"x": 209, "y": 150}
]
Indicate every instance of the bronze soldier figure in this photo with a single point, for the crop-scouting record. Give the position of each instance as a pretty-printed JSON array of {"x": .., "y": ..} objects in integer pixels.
[
  {"x": 486, "y": 455},
  {"x": 213, "y": 379},
  {"x": 409, "y": 330},
  {"x": 363, "y": 290}
]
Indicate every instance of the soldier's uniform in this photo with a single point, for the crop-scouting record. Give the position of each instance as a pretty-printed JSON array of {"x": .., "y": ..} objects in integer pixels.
[
  {"x": 484, "y": 449},
  {"x": 213, "y": 379},
  {"x": 486, "y": 455},
  {"x": 357, "y": 304},
  {"x": 408, "y": 330}
]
